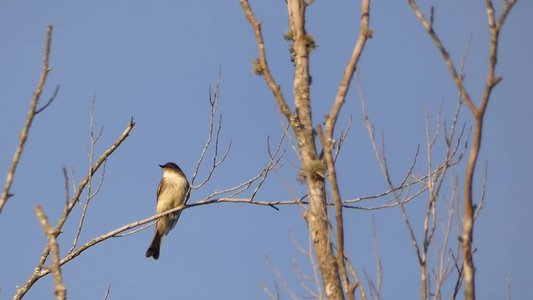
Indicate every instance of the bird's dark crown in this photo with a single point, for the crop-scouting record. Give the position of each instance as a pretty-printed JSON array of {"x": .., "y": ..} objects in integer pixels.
[{"x": 170, "y": 165}]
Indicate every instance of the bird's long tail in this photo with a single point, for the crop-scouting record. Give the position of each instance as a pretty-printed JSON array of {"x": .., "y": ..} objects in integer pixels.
[{"x": 153, "y": 250}]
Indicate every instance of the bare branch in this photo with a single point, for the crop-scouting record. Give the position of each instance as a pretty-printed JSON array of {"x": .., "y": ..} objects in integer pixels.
[
  {"x": 280, "y": 279},
  {"x": 381, "y": 158},
  {"x": 364, "y": 34},
  {"x": 432, "y": 181},
  {"x": 29, "y": 119},
  {"x": 334, "y": 187},
  {"x": 38, "y": 271},
  {"x": 215, "y": 163},
  {"x": 507, "y": 6},
  {"x": 379, "y": 265},
  {"x": 92, "y": 171},
  {"x": 314, "y": 264},
  {"x": 214, "y": 98},
  {"x": 56, "y": 91},
  {"x": 302, "y": 277},
  {"x": 292, "y": 142},
  {"x": 342, "y": 138},
  {"x": 460, "y": 275},
  {"x": 137, "y": 229},
  {"x": 60, "y": 290},
  {"x": 274, "y": 87},
  {"x": 508, "y": 288},
  {"x": 107, "y": 292},
  {"x": 114, "y": 233},
  {"x": 391, "y": 203},
  {"x": 93, "y": 140},
  {"x": 270, "y": 295},
  {"x": 274, "y": 160},
  {"x": 443, "y": 268},
  {"x": 238, "y": 189},
  {"x": 447, "y": 59},
  {"x": 357, "y": 281},
  {"x": 229, "y": 193},
  {"x": 478, "y": 113},
  {"x": 298, "y": 201},
  {"x": 65, "y": 178}
]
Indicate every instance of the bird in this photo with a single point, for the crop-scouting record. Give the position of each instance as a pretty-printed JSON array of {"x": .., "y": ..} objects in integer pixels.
[{"x": 173, "y": 191}]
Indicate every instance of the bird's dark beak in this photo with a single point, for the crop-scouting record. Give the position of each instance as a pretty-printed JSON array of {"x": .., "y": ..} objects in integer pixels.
[{"x": 160, "y": 166}]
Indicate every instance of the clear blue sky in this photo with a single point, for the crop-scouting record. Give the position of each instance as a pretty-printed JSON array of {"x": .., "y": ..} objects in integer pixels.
[{"x": 154, "y": 61}]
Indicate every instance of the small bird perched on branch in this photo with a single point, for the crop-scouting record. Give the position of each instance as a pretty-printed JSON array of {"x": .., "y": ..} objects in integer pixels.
[{"x": 172, "y": 192}]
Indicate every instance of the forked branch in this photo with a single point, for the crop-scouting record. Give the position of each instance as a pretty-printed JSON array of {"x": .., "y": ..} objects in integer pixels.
[
  {"x": 60, "y": 290},
  {"x": 478, "y": 112},
  {"x": 214, "y": 97},
  {"x": 39, "y": 270}
]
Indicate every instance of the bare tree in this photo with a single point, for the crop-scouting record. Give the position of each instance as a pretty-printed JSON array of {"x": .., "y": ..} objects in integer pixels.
[
  {"x": 315, "y": 167},
  {"x": 317, "y": 148},
  {"x": 318, "y": 168},
  {"x": 478, "y": 111}
]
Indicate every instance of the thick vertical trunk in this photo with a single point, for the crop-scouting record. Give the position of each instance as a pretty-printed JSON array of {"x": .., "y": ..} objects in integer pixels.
[
  {"x": 303, "y": 127},
  {"x": 318, "y": 225}
]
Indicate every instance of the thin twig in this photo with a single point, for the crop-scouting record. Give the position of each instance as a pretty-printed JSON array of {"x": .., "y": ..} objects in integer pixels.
[
  {"x": 213, "y": 102},
  {"x": 134, "y": 231},
  {"x": 508, "y": 288},
  {"x": 259, "y": 179},
  {"x": 267, "y": 291},
  {"x": 301, "y": 275},
  {"x": 443, "y": 269},
  {"x": 379, "y": 265},
  {"x": 65, "y": 178},
  {"x": 280, "y": 279},
  {"x": 213, "y": 98},
  {"x": 357, "y": 281},
  {"x": 316, "y": 270},
  {"x": 381, "y": 159},
  {"x": 449, "y": 62},
  {"x": 342, "y": 138},
  {"x": 107, "y": 292},
  {"x": 90, "y": 152},
  {"x": 460, "y": 275},
  {"x": 54, "y": 95},
  {"x": 273, "y": 162}
]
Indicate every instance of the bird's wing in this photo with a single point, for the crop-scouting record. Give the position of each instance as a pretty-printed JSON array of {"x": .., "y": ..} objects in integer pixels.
[
  {"x": 188, "y": 192},
  {"x": 159, "y": 189}
]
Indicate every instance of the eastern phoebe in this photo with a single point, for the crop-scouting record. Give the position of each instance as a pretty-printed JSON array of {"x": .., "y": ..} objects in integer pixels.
[{"x": 172, "y": 192}]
